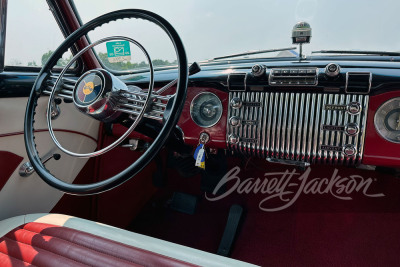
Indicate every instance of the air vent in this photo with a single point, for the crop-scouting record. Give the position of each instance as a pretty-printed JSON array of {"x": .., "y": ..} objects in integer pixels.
[
  {"x": 293, "y": 77},
  {"x": 358, "y": 82},
  {"x": 236, "y": 81}
]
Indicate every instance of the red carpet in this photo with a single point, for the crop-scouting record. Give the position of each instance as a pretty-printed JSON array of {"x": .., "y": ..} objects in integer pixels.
[{"x": 317, "y": 230}]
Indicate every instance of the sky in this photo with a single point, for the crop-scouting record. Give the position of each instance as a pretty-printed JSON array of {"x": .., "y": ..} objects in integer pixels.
[{"x": 212, "y": 28}]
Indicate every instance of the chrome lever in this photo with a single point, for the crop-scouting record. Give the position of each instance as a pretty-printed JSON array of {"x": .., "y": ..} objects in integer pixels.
[
  {"x": 193, "y": 69},
  {"x": 26, "y": 169}
]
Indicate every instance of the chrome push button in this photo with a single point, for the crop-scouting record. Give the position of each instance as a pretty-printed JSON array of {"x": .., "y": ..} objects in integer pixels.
[
  {"x": 354, "y": 108},
  {"x": 233, "y": 139},
  {"x": 351, "y": 129},
  {"x": 234, "y": 121},
  {"x": 236, "y": 102},
  {"x": 349, "y": 150}
]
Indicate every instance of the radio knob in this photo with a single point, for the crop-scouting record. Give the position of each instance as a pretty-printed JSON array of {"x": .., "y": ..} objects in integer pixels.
[
  {"x": 234, "y": 121},
  {"x": 332, "y": 70},
  {"x": 258, "y": 70},
  {"x": 349, "y": 150},
  {"x": 354, "y": 108},
  {"x": 233, "y": 139},
  {"x": 351, "y": 129},
  {"x": 236, "y": 102}
]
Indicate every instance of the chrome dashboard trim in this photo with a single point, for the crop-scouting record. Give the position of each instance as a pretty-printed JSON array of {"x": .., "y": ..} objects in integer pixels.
[
  {"x": 290, "y": 128},
  {"x": 303, "y": 85}
]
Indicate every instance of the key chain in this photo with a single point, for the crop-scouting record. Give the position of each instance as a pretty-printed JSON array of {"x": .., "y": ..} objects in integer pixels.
[{"x": 200, "y": 152}]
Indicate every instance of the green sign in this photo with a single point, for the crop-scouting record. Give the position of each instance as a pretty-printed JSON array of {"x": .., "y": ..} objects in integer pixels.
[{"x": 118, "y": 51}]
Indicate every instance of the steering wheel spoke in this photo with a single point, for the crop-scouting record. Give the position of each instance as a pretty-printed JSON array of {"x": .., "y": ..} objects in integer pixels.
[
  {"x": 131, "y": 101},
  {"x": 66, "y": 87}
]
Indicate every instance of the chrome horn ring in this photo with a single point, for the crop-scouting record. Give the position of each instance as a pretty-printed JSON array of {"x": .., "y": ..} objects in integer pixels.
[{"x": 96, "y": 107}]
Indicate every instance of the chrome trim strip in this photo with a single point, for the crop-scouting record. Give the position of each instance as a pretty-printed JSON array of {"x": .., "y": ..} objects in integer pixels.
[
  {"x": 295, "y": 129},
  {"x": 271, "y": 75},
  {"x": 289, "y": 127}
]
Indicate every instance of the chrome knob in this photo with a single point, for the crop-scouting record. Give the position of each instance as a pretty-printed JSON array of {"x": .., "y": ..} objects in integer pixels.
[
  {"x": 349, "y": 150},
  {"x": 233, "y": 139},
  {"x": 234, "y": 121},
  {"x": 236, "y": 102},
  {"x": 351, "y": 129},
  {"x": 204, "y": 138},
  {"x": 332, "y": 70},
  {"x": 258, "y": 70},
  {"x": 354, "y": 108}
]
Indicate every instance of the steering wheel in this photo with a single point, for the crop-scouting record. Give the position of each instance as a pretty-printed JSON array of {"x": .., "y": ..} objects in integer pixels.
[{"x": 102, "y": 107}]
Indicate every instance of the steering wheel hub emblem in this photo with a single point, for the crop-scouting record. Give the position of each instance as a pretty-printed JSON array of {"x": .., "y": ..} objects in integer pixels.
[
  {"x": 88, "y": 88},
  {"x": 96, "y": 94}
]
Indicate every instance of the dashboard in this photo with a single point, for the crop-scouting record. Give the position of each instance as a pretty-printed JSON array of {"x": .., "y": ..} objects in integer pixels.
[
  {"x": 300, "y": 113},
  {"x": 335, "y": 112}
]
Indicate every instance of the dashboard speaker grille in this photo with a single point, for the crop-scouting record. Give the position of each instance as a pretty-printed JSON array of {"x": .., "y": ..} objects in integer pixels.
[{"x": 299, "y": 127}]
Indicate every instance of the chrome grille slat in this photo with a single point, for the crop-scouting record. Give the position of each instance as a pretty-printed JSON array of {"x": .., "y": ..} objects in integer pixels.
[
  {"x": 260, "y": 122},
  {"x": 269, "y": 124},
  {"x": 300, "y": 128},
  {"x": 279, "y": 127},
  {"x": 288, "y": 126},
  {"x": 363, "y": 127},
  {"x": 310, "y": 133},
  {"x": 294, "y": 152},
  {"x": 305, "y": 128},
  {"x": 284, "y": 120}
]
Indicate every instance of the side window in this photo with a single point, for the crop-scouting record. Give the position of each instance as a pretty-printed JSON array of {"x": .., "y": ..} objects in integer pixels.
[{"x": 32, "y": 34}]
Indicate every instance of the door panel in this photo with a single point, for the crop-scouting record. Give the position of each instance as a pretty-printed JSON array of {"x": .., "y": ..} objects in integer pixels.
[{"x": 74, "y": 130}]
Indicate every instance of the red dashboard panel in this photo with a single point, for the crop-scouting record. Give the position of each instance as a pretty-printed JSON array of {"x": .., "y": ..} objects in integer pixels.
[
  {"x": 192, "y": 131},
  {"x": 377, "y": 150}
]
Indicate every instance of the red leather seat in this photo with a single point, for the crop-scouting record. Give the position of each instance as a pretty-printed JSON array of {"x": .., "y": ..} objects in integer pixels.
[
  {"x": 58, "y": 240},
  {"x": 42, "y": 244}
]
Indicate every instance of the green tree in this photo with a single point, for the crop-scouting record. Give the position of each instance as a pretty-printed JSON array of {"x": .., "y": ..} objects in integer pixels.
[
  {"x": 32, "y": 64},
  {"x": 46, "y": 56},
  {"x": 62, "y": 62}
]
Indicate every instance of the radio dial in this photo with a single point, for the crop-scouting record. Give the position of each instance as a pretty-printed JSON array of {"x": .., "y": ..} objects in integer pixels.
[
  {"x": 332, "y": 70},
  {"x": 258, "y": 70}
]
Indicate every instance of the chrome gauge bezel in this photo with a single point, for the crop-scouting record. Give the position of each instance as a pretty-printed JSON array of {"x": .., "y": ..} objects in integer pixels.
[
  {"x": 192, "y": 105},
  {"x": 388, "y": 102}
]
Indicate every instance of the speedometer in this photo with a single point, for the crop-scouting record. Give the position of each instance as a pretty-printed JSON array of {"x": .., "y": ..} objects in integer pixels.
[
  {"x": 387, "y": 120},
  {"x": 206, "y": 109}
]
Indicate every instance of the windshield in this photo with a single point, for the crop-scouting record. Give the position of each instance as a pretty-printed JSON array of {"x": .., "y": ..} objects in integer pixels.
[{"x": 211, "y": 29}]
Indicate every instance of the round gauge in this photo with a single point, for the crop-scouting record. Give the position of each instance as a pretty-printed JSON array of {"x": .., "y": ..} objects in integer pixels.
[
  {"x": 387, "y": 120},
  {"x": 206, "y": 109}
]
